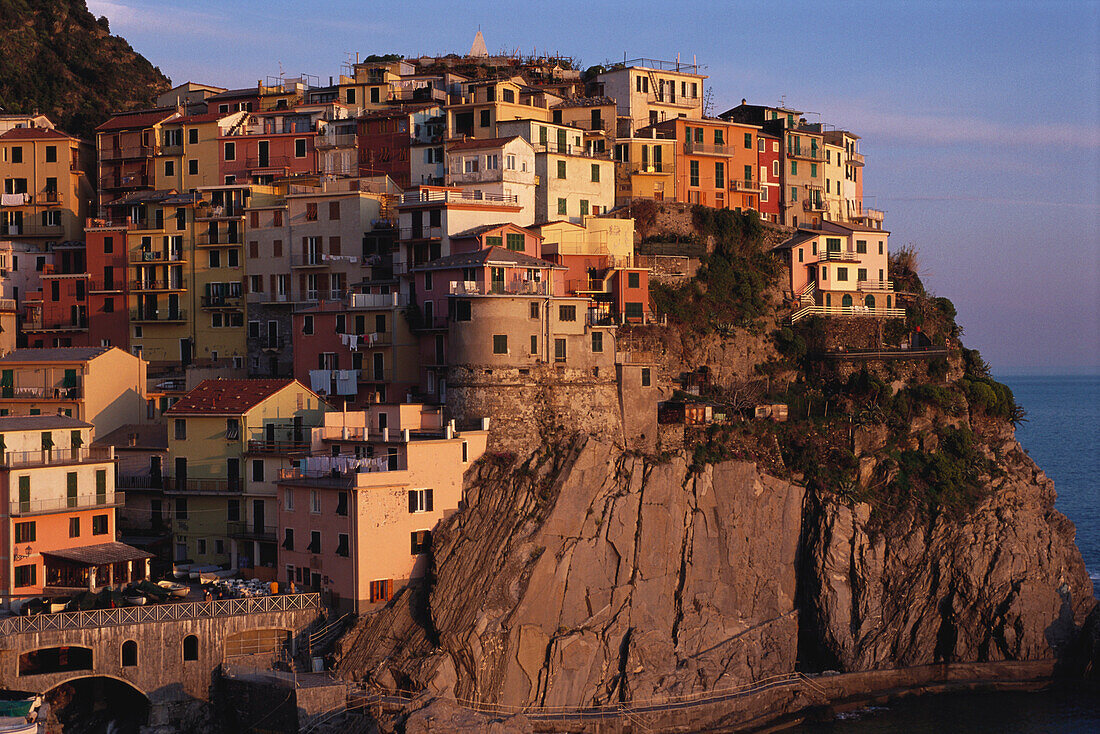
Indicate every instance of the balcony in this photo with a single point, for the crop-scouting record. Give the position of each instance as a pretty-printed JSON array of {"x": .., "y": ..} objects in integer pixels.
[
  {"x": 49, "y": 198},
  {"x": 264, "y": 446},
  {"x": 704, "y": 149},
  {"x": 810, "y": 154},
  {"x": 219, "y": 213},
  {"x": 737, "y": 184},
  {"x": 377, "y": 300},
  {"x": 649, "y": 168},
  {"x": 499, "y": 288},
  {"x": 222, "y": 301},
  {"x": 102, "y": 286},
  {"x": 56, "y": 392},
  {"x": 67, "y": 504},
  {"x": 465, "y": 197},
  {"x": 172, "y": 284},
  {"x": 133, "y": 151},
  {"x": 259, "y": 163},
  {"x": 56, "y": 457},
  {"x": 56, "y": 323},
  {"x": 146, "y": 225},
  {"x": 347, "y": 140},
  {"x": 855, "y": 159},
  {"x": 426, "y": 323},
  {"x": 418, "y": 233},
  {"x": 862, "y": 311},
  {"x": 874, "y": 214},
  {"x": 31, "y": 230},
  {"x": 567, "y": 149},
  {"x": 138, "y": 257},
  {"x": 164, "y": 315},
  {"x": 814, "y": 205},
  {"x": 203, "y": 486},
  {"x": 207, "y": 239},
  {"x": 267, "y": 343},
  {"x": 252, "y": 531},
  {"x": 308, "y": 260},
  {"x": 875, "y": 286},
  {"x": 485, "y": 175},
  {"x": 844, "y": 256}
]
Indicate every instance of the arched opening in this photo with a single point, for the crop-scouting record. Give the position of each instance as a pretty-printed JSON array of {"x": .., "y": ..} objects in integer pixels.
[
  {"x": 55, "y": 660},
  {"x": 846, "y": 301},
  {"x": 129, "y": 654},
  {"x": 97, "y": 703},
  {"x": 869, "y": 301},
  {"x": 191, "y": 647}
]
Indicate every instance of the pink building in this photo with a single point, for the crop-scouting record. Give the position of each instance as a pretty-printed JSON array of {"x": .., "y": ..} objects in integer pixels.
[
  {"x": 268, "y": 146},
  {"x": 356, "y": 516}
]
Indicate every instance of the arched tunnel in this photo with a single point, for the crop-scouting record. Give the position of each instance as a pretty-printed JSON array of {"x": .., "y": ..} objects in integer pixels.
[{"x": 96, "y": 705}]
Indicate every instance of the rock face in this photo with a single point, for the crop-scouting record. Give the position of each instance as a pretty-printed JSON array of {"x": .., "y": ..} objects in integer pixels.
[
  {"x": 599, "y": 577},
  {"x": 586, "y": 575},
  {"x": 1004, "y": 583}
]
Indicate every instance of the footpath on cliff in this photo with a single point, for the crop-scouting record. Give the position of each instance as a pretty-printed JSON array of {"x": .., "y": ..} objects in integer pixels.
[{"x": 890, "y": 530}]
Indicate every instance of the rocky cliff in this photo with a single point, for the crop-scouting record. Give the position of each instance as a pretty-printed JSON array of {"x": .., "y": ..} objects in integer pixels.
[
  {"x": 586, "y": 575},
  {"x": 58, "y": 59}
]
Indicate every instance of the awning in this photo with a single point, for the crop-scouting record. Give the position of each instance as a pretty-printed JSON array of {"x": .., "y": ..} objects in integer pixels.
[{"x": 99, "y": 555}]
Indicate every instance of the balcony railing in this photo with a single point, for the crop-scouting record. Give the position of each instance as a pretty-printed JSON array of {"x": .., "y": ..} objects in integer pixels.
[
  {"x": 839, "y": 256},
  {"x": 650, "y": 168},
  {"x": 172, "y": 284},
  {"x": 56, "y": 392},
  {"x": 102, "y": 286},
  {"x": 810, "y": 154},
  {"x": 222, "y": 301},
  {"x": 499, "y": 288},
  {"x": 264, "y": 446},
  {"x": 203, "y": 486},
  {"x": 335, "y": 141},
  {"x": 132, "y": 151},
  {"x": 271, "y": 161},
  {"x": 61, "y": 504},
  {"x": 569, "y": 149},
  {"x": 308, "y": 260},
  {"x": 864, "y": 311},
  {"x": 144, "y": 225},
  {"x": 705, "y": 149},
  {"x": 252, "y": 531},
  {"x": 155, "y": 256},
  {"x": 162, "y": 315},
  {"x": 814, "y": 205},
  {"x": 377, "y": 300},
  {"x": 423, "y": 197},
  {"x": 31, "y": 230},
  {"x": 737, "y": 184},
  {"x": 206, "y": 239},
  {"x": 875, "y": 285},
  {"x": 49, "y": 198},
  {"x": 855, "y": 159},
  {"x": 419, "y": 233},
  {"x": 79, "y": 455},
  {"x": 267, "y": 342},
  {"x": 57, "y": 323}
]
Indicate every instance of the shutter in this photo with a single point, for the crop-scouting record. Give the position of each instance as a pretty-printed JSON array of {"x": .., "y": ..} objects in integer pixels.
[
  {"x": 430, "y": 500},
  {"x": 412, "y": 501}
]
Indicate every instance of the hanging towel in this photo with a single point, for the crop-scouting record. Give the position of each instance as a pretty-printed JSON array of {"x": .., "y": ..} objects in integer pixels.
[
  {"x": 319, "y": 380},
  {"x": 13, "y": 199},
  {"x": 346, "y": 382}
]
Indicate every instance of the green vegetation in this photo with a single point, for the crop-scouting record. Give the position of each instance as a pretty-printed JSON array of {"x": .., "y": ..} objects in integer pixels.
[
  {"x": 731, "y": 287},
  {"x": 58, "y": 59}
]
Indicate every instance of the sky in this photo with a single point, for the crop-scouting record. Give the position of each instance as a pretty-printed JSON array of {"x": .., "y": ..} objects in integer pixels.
[{"x": 980, "y": 121}]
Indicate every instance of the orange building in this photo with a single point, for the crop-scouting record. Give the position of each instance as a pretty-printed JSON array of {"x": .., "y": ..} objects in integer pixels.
[{"x": 715, "y": 162}]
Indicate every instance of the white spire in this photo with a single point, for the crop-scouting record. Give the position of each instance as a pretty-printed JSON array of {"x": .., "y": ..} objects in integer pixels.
[{"x": 478, "y": 47}]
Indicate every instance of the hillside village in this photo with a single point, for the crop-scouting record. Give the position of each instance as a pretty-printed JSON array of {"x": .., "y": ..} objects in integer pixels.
[{"x": 265, "y": 332}]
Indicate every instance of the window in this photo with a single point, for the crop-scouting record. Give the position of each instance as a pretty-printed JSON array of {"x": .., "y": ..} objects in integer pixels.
[
  {"x": 633, "y": 309},
  {"x": 234, "y": 257},
  {"x": 861, "y": 274},
  {"x": 633, "y": 280},
  {"x": 567, "y": 313},
  {"x": 314, "y": 502},
  {"x": 719, "y": 175},
  {"x": 794, "y": 168},
  {"x": 214, "y": 258},
  {"x": 465, "y": 452},
  {"x": 17, "y": 154},
  {"x": 190, "y": 648},
  {"x": 257, "y": 470},
  {"x": 880, "y": 247},
  {"x": 193, "y": 167},
  {"x": 775, "y": 169},
  {"x": 842, "y": 274},
  {"x": 288, "y": 539},
  {"x": 561, "y": 169},
  {"x": 334, "y": 210},
  {"x": 694, "y": 173},
  {"x": 181, "y": 508},
  {"x": 861, "y": 247},
  {"x": 381, "y": 590},
  {"x": 100, "y": 486},
  {"x": 342, "y": 504},
  {"x": 559, "y": 350},
  {"x": 26, "y": 575},
  {"x": 233, "y": 510},
  {"x": 534, "y": 344},
  {"x": 70, "y": 489},
  {"x": 515, "y": 241},
  {"x": 180, "y": 429},
  {"x": 597, "y": 342},
  {"x": 99, "y": 525},
  {"x": 193, "y": 135},
  {"x": 300, "y": 148},
  {"x": 500, "y": 343},
  {"x": 595, "y": 173},
  {"x": 646, "y": 378},
  {"x": 421, "y": 500},
  {"x": 51, "y": 154},
  {"x": 307, "y": 324},
  {"x": 74, "y": 527},
  {"x": 169, "y": 168},
  {"x": 421, "y": 541},
  {"x": 748, "y": 140},
  {"x": 534, "y": 309},
  {"x": 230, "y": 151},
  {"x": 342, "y": 545},
  {"x": 584, "y": 207},
  {"x": 561, "y": 207},
  {"x": 486, "y": 120},
  {"x": 129, "y": 654},
  {"x": 25, "y": 532},
  {"x": 794, "y": 193},
  {"x": 288, "y": 500},
  {"x": 314, "y": 542},
  {"x": 813, "y": 170},
  {"x": 47, "y": 440}
]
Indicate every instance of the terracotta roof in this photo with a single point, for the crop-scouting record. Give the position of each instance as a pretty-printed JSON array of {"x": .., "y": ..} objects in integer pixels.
[
  {"x": 35, "y": 133},
  {"x": 475, "y": 143},
  {"x": 797, "y": 239},
  {"x": 100, "y": 554},
  {"x": 475, "y": 231},
  {"x": 141, "y": 119},
  {"x": 54, "y": 354},
  {"x": 489, "y": 256},
  {"x": 206, "y": 117},
  {"x": 227, "y": 397}
]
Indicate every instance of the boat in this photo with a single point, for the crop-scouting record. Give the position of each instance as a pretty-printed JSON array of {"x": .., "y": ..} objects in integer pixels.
[
  {"x": 196, "y": 572},
  {"x": 35, "y": 605},
  {"x": 181, "y": 570},
  {"x": 17, "y": 725},
  {"x": 177, "y": 590},
  {"x": 152, "y": 591},
  {"x": 133, "y": 596},
  {"x": 57, "y": 604}
]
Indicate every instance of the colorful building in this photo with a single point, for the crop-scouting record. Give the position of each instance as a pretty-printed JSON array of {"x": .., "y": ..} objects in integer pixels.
[
  {"x": 649, "y": 91},
  {"x": 227, "y": 440},
  {"x": 645, "y": 166},
  {"x": 501, "y": 168},
  {"x": 356, "y": 515},
  {"x": 127, "y": 146}
]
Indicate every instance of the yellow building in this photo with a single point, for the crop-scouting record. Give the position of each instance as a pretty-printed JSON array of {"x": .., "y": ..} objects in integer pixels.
[
  {"x": 835, "y": 201},
  {"x": 644, "y": 167},
  {"x": 648, "y": 91},
  {"x": 613, "y": 238},
  {"x": 188, "y": 155},
  {"x": 227, "y": 442},
  {"x": 47, "y": 185},
  {"x": 488, "y": 102}
]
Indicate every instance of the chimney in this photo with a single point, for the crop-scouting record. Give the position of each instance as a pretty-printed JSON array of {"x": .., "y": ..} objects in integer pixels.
[{"x": 743, "y": 101}]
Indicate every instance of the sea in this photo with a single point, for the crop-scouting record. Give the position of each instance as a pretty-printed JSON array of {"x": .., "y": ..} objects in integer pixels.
[{"x": 1062, "y": 435}]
